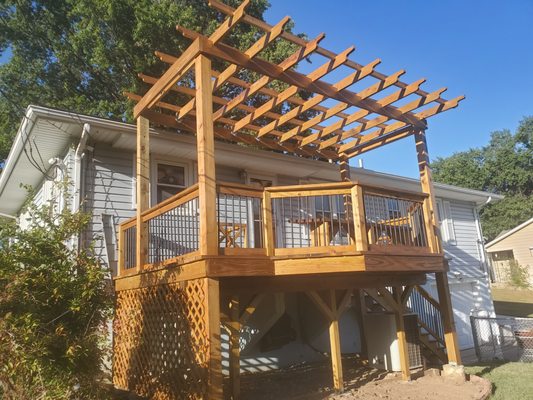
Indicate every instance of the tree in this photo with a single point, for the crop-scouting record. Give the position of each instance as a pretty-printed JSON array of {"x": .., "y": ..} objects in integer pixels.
[
  {"x": 54, "y": 302},
  {"x": 504, "y": 166},
  {"x": 80, "y": 55}
]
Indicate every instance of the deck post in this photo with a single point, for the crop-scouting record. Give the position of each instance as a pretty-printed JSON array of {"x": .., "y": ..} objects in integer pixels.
[
  {"x": 443, "y": 289},
  {"x": 400, "y": 334},
  {"x": 142, "y": 190},
  {"x": 335, "y": 343},
  {"x": 360, "y": 308},
  {"x": 206, "y": 157},
  {"x": 332, "y": 313},
  {"x": 426, "y": 181},
  {"x": 235, "y": 359},
  {"x": 214, "y": 380},
  {"x": 450, "y": 335}
]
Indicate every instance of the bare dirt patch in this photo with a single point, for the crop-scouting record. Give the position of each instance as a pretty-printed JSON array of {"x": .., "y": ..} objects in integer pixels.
[{"x": 313, "y": 382}]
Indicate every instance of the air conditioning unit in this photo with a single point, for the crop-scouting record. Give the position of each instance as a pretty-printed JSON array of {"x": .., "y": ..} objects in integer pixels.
[{"x": 382, "y": 342}]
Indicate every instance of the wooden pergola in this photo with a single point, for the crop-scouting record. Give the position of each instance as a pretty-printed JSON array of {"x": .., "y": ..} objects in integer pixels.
[
  {"x": 352, "y": 123},
  {"x": 254, "y": 102}
]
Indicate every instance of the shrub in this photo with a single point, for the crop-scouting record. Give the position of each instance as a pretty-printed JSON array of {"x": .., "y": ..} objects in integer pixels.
[
  {"x": 518, "y": 275},
  {"x": 53, "y": 306}
]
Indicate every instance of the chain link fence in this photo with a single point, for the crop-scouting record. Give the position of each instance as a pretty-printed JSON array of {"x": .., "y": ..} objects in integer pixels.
[{"x": 504, "y": 338}]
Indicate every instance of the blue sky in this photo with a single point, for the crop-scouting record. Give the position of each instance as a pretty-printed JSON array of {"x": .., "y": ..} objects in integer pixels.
[{"x": 482, "y": 49}]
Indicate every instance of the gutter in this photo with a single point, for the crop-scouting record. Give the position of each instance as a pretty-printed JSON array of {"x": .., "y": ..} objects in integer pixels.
[
  {"x": 17, "y": 147},
  {"x": 2, "y": 215},
  {"x": 489, "y": 199}
]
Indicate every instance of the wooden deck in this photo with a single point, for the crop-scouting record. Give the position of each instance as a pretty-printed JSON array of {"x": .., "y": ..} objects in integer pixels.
[
  {"x": 184, "y": 263},
  {"x": 288, "y": 230}
]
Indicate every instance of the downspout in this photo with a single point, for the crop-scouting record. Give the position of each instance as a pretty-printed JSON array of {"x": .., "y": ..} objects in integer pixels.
[
  {"x": 78, "y": 186},
  {"x": 487, "y": 267},
  {"x": 78, "y": 155}
]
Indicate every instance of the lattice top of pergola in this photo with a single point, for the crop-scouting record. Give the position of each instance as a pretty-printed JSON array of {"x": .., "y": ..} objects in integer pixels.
[{"x": 307, "y": 116}]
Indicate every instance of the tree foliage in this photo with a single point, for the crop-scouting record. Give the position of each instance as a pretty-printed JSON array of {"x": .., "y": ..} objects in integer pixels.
[
  {"x": 54, "y": 302},
  {"x": 504, "y": 166},
  {"x": 80, "y": 55}
]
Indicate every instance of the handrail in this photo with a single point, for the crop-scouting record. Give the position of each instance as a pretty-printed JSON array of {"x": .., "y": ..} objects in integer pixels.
[
  {"x": 427, "y": 296},
  {"x": 146, "y": 214},
  {"x": 239, "y": 189},
  {"x": 429, "y": 314},
  {"x": 312, "y": 186},
  {"x": 401, "y": 194}
]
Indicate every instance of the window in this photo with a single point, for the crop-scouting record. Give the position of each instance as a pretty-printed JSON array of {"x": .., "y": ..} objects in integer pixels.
[
  {"x": 447, "y": 228},
  {"x": 170, "y": 180}
]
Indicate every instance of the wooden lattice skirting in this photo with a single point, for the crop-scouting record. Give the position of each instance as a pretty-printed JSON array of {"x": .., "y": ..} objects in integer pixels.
[{"x": 162, "y": 340}]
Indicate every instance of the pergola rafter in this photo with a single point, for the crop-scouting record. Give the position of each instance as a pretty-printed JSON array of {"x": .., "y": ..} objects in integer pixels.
[{"x": 282, "y": 120}]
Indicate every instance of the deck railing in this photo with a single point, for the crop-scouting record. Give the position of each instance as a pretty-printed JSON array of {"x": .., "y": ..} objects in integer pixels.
[
  {"x": 329, "y": 218},
  {"x": 395, "y": 220},
  {"x": 239, "y": 218},
  {"x": 172, "y": 228},
  {"x": 311, "y": 218}
]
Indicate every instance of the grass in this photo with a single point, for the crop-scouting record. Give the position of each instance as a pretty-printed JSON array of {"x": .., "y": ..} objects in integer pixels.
[
  {"x": 513, "y": 302},
  {"x": 509, "y": 380}
]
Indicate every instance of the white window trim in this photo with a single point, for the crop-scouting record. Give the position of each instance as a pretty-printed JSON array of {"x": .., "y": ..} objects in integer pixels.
[
  {"x": 264, "y": 177},
  {"x": 187, "y": 166},
  {"x": 447, "y": 226}
]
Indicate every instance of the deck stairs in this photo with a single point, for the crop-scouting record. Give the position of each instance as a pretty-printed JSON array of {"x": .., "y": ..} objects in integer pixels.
[{"x": 429, "y": 320}]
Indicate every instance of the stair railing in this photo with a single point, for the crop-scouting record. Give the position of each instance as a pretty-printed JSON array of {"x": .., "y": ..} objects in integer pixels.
[{"x": 428, "y": 311}]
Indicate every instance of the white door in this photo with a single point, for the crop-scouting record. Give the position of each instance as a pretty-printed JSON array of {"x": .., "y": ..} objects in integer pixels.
[{"x": 462, "y": 295}]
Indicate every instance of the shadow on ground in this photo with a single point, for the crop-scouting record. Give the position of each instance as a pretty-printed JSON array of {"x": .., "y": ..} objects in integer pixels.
[{"x": 314, "y": 381}]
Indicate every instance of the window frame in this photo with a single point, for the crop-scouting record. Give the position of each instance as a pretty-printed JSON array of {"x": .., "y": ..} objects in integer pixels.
[{"x": 187, "y": 170}]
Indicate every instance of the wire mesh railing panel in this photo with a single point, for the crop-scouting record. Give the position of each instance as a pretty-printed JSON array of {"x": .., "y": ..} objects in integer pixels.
[
  {"x": 313, "y": 221},
  {"x": 394, "y": 221},
  {"x": 504, "y": 338},
  {"x": 240, "y": 221},
  {"x": 174, "y": 232},
  {"x": 130, "y": 247}
]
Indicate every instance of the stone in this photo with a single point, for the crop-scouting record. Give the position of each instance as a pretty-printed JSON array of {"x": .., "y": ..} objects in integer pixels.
[{"x": 454, "y": 372}]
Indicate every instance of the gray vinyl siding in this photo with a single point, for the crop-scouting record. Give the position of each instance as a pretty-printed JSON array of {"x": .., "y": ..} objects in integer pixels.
[
  {"x": 228, "y": 174},
  {"x": 108, "y": 191},
  {"x": 465, "y": 253}
]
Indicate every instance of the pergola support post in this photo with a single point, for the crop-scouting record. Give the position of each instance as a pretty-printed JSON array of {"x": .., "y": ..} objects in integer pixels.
[
  {"x": 426, "y": 181},
  {"x": 432, "y": 223},
  {"x": 205, "y": 138},
  {"x": 142, "y": 164}
]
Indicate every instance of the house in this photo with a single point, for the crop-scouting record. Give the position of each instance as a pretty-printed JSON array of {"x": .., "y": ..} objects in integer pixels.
[
  {"x": 98, "y": 157},
  {"x": 239, "y": 236},
  {"x": 515, "y": 244}
]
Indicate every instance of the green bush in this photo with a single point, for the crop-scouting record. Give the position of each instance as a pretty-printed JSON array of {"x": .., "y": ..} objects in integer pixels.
[
  {"x": 54, "y": 303},
  {"x": 518, "y": 275}
]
